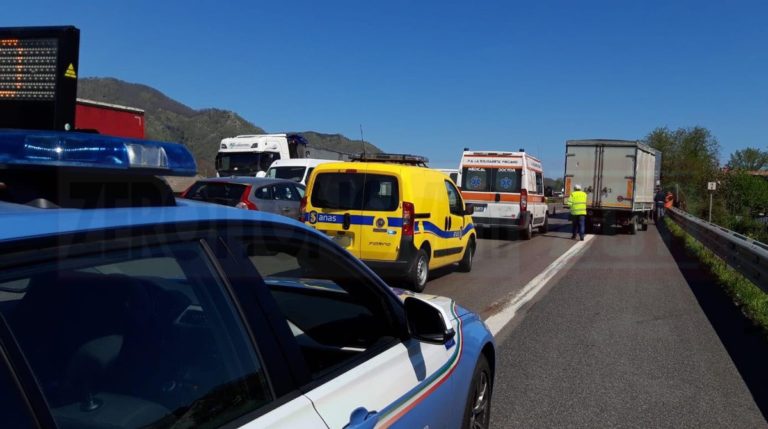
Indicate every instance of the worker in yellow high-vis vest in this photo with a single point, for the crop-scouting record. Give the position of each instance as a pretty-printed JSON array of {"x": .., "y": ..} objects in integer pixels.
[{"x": 578, "y": 203}]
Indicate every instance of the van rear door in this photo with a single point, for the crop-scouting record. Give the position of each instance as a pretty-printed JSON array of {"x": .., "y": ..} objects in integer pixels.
[
  {"x": 380, "y": 239},
  {"x": 337, "y": 206}
]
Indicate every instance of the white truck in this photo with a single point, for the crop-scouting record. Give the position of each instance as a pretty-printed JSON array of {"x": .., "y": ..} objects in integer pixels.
[
  {"x": 619, "y": 177},
  {"x": 247, "y": 155}
]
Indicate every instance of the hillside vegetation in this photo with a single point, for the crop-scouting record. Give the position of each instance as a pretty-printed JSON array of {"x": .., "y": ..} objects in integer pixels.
[{"x": 200, "y": 130}]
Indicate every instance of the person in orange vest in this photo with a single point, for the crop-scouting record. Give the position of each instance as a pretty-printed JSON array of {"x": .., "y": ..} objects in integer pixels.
[
  {"x": 669, "y": 200},
  {"x": 578, "y": 204}
]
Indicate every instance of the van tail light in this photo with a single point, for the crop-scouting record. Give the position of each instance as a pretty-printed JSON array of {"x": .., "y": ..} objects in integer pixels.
[
  {"x": 523, "y": 200},
  {"x": 302, "y": 208},
  {"x": 244, "y": 203},
  {"x": 408, "y": 219}
]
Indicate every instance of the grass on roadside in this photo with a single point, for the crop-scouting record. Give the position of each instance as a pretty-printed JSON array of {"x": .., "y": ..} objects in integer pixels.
[{"x": 752, "y": 300}]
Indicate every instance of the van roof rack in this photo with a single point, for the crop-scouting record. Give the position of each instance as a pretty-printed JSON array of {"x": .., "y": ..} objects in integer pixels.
[{"x": 398, "y": 158}]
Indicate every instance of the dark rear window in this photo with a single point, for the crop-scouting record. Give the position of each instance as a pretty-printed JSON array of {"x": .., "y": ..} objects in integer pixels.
[
  {"x": 491, "y": 179},
  {"x": 228, "y": 194},
  {"x": 350, "y": 191}
]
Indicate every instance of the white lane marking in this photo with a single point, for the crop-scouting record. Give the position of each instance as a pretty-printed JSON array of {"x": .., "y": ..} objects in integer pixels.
[{"x": 509, "y": 310}]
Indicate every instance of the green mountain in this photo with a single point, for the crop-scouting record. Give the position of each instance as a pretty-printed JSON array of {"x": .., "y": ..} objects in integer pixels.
[{"x": 200, "y": 130}]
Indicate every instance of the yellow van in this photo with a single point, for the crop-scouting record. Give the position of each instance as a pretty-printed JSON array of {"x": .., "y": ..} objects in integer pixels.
[{"x": 395, "y": 214}]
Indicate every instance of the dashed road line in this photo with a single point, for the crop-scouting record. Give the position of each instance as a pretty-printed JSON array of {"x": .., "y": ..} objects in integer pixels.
[{"x": 499, "y": 320}]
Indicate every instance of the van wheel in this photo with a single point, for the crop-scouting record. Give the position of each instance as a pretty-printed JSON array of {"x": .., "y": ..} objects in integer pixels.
[
  {"x": 417, "y": 278},
  {"x": 465, "y": 265},
  {"x": 544, "y": 228},
  {"x": 527, "y": 233}
]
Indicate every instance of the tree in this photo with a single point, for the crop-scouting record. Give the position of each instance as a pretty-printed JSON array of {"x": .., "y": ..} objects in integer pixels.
[
  {"x": 555, "y": 184},
  {"x": 745, "y": 195},
  {"x": 689, "y": 159},
  {"x": 749, "y": 159}
]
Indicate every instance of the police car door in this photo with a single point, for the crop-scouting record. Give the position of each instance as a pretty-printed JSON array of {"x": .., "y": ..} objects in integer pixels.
[{"x": 359, "y": 369}]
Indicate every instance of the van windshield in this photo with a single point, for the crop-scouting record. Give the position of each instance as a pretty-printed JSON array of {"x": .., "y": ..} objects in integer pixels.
[
  {"x": 345, "y": 191},
  {"x": 479, "y": 179},
  {"x": 295, "y": 173}
]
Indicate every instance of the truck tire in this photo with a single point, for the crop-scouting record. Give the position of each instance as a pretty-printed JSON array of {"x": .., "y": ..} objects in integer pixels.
[
  {"x": 632, "y": 227},
  {"x": 544, "y": 228},
  {"x": 645, "y": 223},
  {"x": 417, "y": 276}
]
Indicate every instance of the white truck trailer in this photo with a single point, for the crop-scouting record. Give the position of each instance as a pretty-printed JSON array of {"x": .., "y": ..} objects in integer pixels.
[{"x": 619, "y": 177}]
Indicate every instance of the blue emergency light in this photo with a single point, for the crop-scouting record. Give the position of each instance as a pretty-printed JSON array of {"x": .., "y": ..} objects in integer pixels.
[{"x": 94, "y": 151}]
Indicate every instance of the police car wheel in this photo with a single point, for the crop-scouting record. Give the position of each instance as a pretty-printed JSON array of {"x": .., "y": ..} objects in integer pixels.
[
  {"x": 466, "y": 262},
  {"x": 419, "y": 271},
  {"x": 477, "y": 413}
]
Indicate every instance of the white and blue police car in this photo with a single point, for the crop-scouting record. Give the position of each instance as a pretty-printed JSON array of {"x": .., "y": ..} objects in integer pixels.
[{"x": 122, "y": 307}]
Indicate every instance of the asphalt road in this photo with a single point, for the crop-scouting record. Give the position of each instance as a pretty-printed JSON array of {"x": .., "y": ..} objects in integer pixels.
[
  {"x": 503, "y": 264},
  {"x": 629, "y": 334}
]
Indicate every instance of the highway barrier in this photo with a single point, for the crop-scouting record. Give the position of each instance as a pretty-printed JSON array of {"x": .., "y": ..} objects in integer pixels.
[{"x": 745, "y": 255}]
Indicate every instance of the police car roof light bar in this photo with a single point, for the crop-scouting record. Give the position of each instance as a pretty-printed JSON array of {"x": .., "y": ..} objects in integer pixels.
[{"x": 94, "y": 151}]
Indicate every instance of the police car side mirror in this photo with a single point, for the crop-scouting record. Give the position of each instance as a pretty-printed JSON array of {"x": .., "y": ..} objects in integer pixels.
[
  {"x": 427, "y": 322},
  {"x": 469, "y": 209}
]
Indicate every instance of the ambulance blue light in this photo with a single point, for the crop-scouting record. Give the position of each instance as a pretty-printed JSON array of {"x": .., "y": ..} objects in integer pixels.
[{"x": 84, "y": 150}]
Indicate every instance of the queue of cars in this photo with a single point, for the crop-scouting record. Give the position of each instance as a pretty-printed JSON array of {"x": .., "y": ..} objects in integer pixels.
[
  {"x": 401, "y": 218},
  {"x": 122, "y": 306}
]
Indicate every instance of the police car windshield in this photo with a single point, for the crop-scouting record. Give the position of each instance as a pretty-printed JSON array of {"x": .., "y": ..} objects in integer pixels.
[
  {"x": 344, "y": 191},
  {"x": 501, "y": 180}
]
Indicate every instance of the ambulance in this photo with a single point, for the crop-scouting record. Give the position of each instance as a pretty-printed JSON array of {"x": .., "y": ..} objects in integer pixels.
[{"x": 506, "y": 190}]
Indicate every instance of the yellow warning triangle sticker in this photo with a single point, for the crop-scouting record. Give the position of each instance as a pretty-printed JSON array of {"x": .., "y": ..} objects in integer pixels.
[{"x": 70, "y": 72}]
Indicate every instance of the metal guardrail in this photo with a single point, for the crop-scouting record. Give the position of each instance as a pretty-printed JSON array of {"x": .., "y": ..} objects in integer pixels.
[{"x": 745, "y": 255}]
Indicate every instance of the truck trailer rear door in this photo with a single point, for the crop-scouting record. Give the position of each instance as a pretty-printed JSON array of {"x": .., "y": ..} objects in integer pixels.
[
  {"x": 616, "y": 165},
  {"x": 581, "y": 168}
]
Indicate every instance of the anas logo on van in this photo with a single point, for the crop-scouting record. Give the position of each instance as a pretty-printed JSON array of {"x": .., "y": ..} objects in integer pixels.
[
  {"x": 380, "y": 223},
  {"x": 321, "y": 217}
]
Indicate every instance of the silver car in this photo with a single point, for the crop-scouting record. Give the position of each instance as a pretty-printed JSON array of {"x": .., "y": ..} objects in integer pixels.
[{"x": 251, "y": 193}]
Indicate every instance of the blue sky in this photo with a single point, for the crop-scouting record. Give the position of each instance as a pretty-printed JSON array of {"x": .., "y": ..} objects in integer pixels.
[{"x": 435, "y": 77}]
